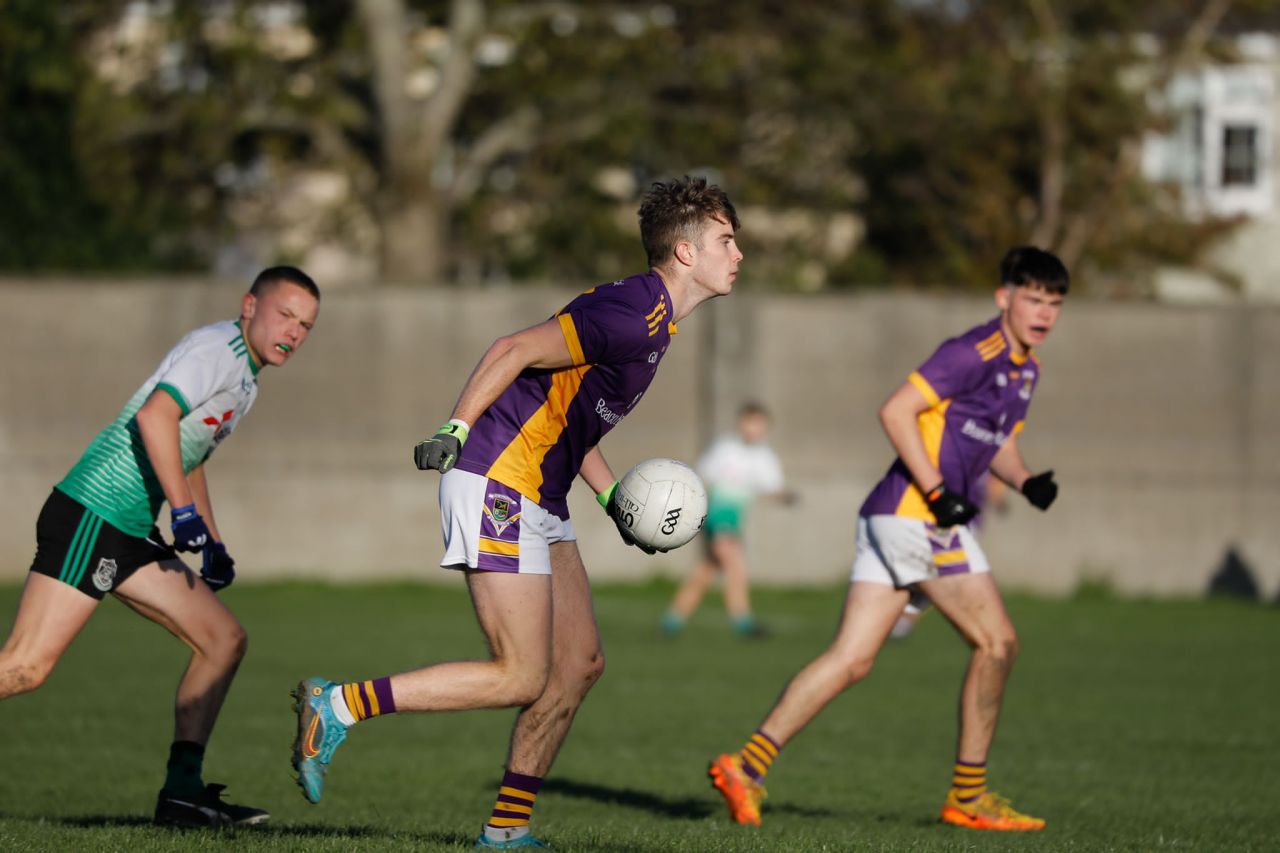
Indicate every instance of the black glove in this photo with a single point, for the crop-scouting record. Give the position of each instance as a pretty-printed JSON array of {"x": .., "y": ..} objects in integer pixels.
[
  {"x": 189, "y": 530},
  {"x": 219, "y": 570},
  {"x": 622, "y": 517},
  {"x": 442, "y": 449},
  {"x": 950, "y": 508},
  {"x": 1040, "y": 490}
]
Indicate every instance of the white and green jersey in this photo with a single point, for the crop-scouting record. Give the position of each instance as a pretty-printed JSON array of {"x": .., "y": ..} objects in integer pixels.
[
  {"x": 212, "y": 377},
  {"x": 735, "y": 472}
]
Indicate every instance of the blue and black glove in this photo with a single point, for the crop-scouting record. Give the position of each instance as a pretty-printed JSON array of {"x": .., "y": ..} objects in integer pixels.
[
  {"x": 189, "y": 530},
  {"x": 219, "y": 570},
  {"x": 950, "y": 508},
  {"x": 1040, "y": 490},
  {"x": 622, "y": 517},
  {"x": 441, "y": 451}
]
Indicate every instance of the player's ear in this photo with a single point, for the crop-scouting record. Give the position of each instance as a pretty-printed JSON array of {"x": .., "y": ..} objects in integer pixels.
[
  {"x": 1004, "y": 297},
  {"x": 684, "y": 252},
  {"x": 248, "y": 305}
]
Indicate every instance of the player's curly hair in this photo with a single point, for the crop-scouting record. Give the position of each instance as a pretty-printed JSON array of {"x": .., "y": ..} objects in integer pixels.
[{"x": 677, "y": 210}]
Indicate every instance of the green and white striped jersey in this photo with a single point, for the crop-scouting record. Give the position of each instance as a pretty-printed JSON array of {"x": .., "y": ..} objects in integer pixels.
[{"x": 212, "y": 377}]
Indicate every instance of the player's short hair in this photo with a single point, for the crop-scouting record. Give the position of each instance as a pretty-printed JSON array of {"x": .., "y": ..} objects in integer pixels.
[
  {"x": 677, "y": 210},
  {"x": 1028, "y": 266},
  {"x": 753, "y": 407},
  {"x": 272, "y": 276}
]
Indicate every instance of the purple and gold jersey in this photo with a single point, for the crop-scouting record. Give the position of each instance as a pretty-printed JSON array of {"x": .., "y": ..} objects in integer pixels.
[
  {"x": 978, "y": 392},
  {"x": 534, "y": 437}
]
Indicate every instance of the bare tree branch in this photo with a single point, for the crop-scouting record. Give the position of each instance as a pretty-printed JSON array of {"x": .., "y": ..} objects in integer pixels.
[
  {"x": 515, "y": 132},
  {"x": 1050, "y": 72},
  {"x": 386, "y": 29},
  {"x": 466, "y": 19}
]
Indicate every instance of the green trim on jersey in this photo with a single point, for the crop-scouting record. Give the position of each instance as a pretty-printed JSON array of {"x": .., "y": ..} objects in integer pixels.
[
  {"x": 177, "y": 397},
  {"x": 240, "y": 346}
]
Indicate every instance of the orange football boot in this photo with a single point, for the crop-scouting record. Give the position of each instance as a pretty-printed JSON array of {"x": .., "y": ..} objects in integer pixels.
[
  {"x": 742, "y": 794},
  {"x": 990, "y": 811}
]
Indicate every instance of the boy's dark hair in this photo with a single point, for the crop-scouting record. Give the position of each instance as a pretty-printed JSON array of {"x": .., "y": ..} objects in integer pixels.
[
  {"x": 676, "y": 210},
  {"x": 272, "y": 276},
  {"x": 753, "y": 407},
  {"x": 1028, "y": 266}
]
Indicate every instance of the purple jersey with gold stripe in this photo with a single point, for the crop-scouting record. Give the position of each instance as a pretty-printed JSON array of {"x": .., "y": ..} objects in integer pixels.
[
  {"x": 978, "y": 392},
  {"x": 535, "y": 435}
]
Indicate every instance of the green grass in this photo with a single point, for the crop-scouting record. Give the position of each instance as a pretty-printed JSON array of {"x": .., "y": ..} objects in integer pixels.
[{"x": 1128, "y": 725}]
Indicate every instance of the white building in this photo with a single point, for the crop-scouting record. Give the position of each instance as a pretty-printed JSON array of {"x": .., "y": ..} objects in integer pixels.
[{"x": 1223, "y": 153}]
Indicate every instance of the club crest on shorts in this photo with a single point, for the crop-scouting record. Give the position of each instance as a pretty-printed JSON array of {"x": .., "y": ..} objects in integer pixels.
[
  {"x": 104, "y": 577},
  {"x": 498, "y": 509}
]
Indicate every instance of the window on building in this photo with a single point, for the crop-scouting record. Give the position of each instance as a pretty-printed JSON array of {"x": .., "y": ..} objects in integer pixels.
[{"x": 1239, "y": 155}]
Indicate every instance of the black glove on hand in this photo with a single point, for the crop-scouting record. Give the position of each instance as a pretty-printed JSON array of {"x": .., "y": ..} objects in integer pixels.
[
  {"x": 1040, "y": 490},
  {"x": 622, "y": 517},
  {"x": 950, "y": 508},
  {"x": 219, "y": 570},
  {"x": 442, "y": 449},
  {"x": 189, "y": 530}
]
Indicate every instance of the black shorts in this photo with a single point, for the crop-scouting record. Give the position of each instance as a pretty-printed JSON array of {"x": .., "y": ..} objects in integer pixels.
[{"x": 80, "y": 548}]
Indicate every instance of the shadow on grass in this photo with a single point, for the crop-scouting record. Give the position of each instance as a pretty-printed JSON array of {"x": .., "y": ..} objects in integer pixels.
[
  {"x": 687, "y": 808},
  {"x": 285, "y": 830}
]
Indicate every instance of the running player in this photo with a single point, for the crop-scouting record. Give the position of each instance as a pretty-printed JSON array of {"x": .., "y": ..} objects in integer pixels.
[
  {"x": 97, "y": 534},
  {"x": 527, "y": 423},
  {"x": 956, "y": 416},
  {"x": 737, "y": 468}
]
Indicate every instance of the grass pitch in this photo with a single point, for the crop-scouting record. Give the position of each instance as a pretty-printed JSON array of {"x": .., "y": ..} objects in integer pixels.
[{"x": 1128, "y": 725}]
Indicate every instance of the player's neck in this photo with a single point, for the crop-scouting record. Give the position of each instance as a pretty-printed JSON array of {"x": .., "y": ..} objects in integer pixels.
[
  {"x": 1017, "y": 347},
  {"x": 685, "y": 294}
]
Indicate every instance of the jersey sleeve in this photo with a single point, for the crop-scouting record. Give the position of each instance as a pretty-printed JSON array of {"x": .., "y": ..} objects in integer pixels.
[
  {"x": 195, "y": 371},
  {"x": 604, "y": 329},
  {"x": 954, "y": 368},
  {"x": 769, "y": 473}
]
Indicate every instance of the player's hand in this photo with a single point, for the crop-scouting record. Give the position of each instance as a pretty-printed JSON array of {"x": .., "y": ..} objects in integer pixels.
[
  {"x": 219, "y": 570},
  {"x": 442, "y": 449},
  {"x": 621, "y": 516},
  {"x": 950, "y": 508},
  {"x": 189, "y": 530},
  {"x": 1040, "y": 490}
]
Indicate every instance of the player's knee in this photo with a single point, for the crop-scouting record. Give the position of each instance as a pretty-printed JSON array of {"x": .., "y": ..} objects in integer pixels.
[
  {"x": 524, "y": 688},
  {"x": 22, "y": 675},
  {"x": 228, "y": 644},
  {"x": 1001, "y": 647},
  {"x": 591, "y": 669},
  {"x": 858, "y": 668}
]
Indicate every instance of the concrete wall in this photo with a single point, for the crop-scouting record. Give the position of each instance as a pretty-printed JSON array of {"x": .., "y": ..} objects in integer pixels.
[{"x": 1158, "y": 420}]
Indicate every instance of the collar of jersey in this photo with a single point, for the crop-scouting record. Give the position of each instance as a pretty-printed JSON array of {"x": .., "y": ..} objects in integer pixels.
[{"x": 248, "y": 350}]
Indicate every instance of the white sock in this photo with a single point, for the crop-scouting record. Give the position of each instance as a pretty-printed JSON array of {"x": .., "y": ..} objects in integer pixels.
[
  {"x": 339, "y": 705},
  {"x": 505, "y": 833}
]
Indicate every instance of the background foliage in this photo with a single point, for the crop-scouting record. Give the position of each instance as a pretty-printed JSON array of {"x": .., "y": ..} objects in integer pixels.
[{"x": 887, "y": 141}]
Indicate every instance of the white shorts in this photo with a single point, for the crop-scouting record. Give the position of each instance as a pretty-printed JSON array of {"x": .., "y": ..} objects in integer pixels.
[
  {"x": 491, "y": 527},
  {"x": 900, "y": 552}
]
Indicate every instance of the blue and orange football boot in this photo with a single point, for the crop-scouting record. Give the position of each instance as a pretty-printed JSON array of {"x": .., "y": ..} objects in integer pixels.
[{"x": 320, "y": 733}]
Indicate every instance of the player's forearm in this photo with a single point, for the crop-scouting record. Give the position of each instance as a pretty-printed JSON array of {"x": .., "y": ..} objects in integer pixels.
[
  {"x": 199, "y": 483},
  {"x": 1008, "y": 465},
  {"x": 159, "y": 429},
  {"x": 595, "y": 471}
]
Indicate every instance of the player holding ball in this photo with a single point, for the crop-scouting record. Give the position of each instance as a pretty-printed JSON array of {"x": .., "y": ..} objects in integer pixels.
[{"x": 527, "y": 423}]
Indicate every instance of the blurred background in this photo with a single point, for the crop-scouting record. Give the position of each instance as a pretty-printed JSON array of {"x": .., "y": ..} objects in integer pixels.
[{"x": 451, "y": 171}]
